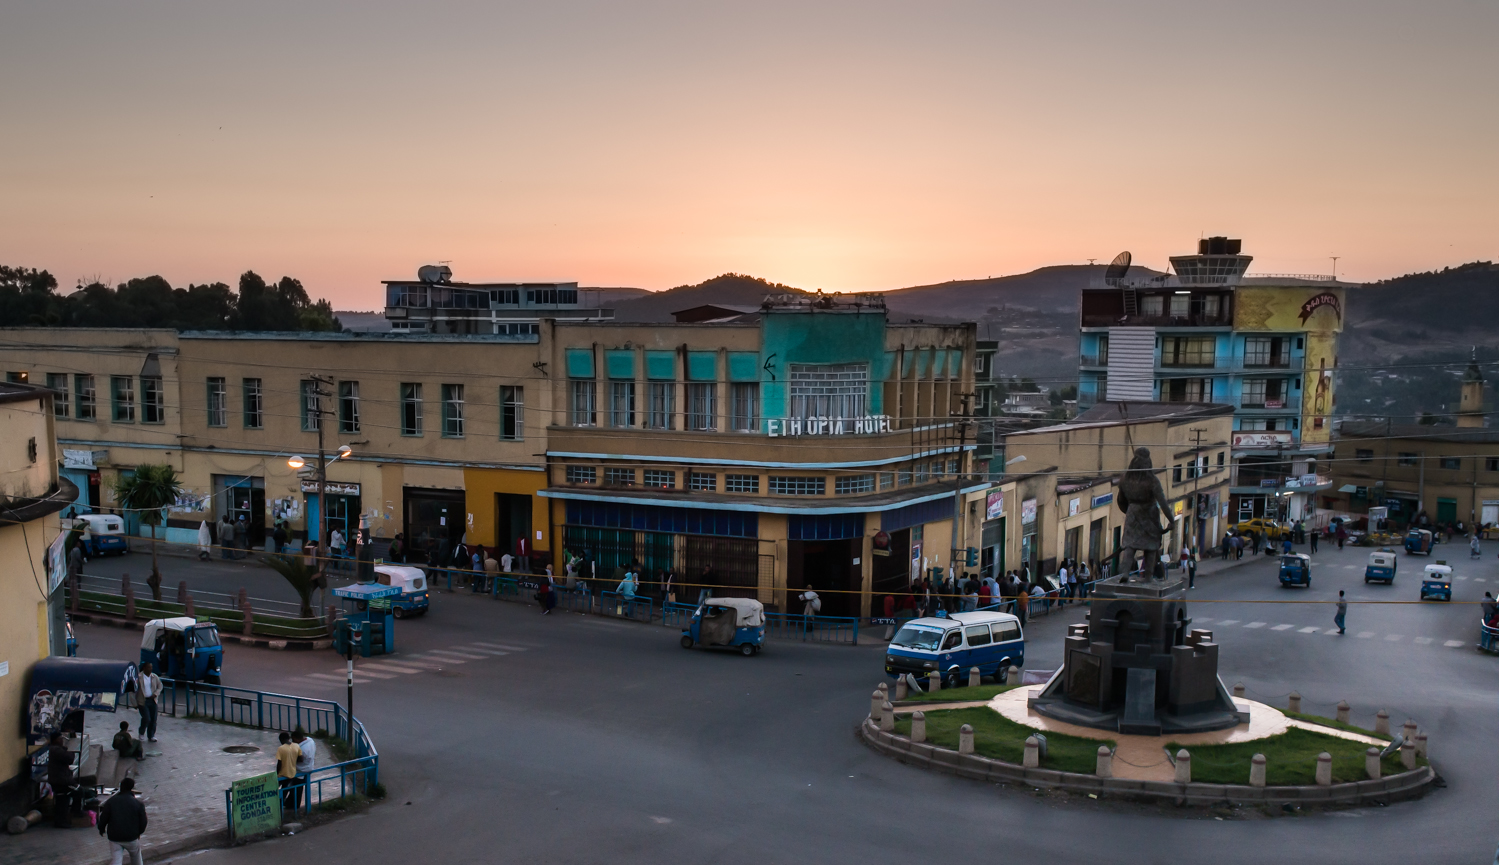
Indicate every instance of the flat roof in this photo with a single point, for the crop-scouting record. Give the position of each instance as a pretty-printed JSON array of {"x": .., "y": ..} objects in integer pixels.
[{"x": 1375, "y": 429}]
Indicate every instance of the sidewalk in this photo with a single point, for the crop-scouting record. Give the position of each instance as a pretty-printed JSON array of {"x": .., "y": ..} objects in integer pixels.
[{"x": 183, "y": 789}]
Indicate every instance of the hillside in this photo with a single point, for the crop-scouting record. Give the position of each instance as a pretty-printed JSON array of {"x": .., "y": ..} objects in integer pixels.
[
  {"x": 731, "y": 289},
  {"x": 1437, "y": 311}
]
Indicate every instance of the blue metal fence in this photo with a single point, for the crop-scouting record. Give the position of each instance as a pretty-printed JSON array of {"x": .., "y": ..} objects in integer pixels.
[
  {"x": 820, "y": 629},
  {"x": 1488, "y": 638},
  {"x": 640, "y": 608},
  {"x": 675, "y": 615}
]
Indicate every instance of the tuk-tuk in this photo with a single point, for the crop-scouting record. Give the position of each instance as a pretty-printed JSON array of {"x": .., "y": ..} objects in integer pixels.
[
  {"x": 1419, "y": 541},
  {"x": 103, "y": 533},
  {"x": 412, "y": 601},
  {"x": 727, "y": 622},
  {"x": 1296, "y": 570},
  {"x": 1436, "y": 582},
  {"x": 1381, "y": 566},
  {"x": 183, "y": 648}
]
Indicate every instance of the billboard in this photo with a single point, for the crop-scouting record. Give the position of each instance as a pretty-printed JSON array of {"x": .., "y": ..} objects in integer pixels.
[
  {"x": 1262, "y": 439},
  {"x": 1289, "y": 309},
  {"x": 1317, "y": 388}
]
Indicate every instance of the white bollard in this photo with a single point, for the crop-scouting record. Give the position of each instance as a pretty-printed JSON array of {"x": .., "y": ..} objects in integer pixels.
[
  {"x": 876, "y": 700},
  {"x": 1293, "y": 703},
  {"x": 1238, "y": 690},
  {"x": 883, "y": 686},
  {"x": 1409, "y": 731},
  {"x": 1183, "y": 767},
  {"x": 918, "y": 727},
  {"x": 965, "y": 739},
  {"x": 1343, "y": 711},
  {"x": 1105, "y": 768},
  {"x": 1324, "y": 769},
  {"x": 974, "y": 677},
  {"x": 887, "y": 718},
  {"x": 901, "y": 689},
  {"x": 1421, "y": 746},
  {"x": 1257, "y": 770},
  {"x": 1382, "y": 723},
  {"x": 1408, "y": 754},
  {"x": 934, "y": 680},
  {"x": 1014, "y": 676},
  {"x": 1032, "y": 753},
  {"x": 1371, "y": 763}
]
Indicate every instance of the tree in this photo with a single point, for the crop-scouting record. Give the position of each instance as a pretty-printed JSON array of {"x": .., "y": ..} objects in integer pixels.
[
  {"x": 149, "y": 492},
  {"x": 302, "y": 577}
]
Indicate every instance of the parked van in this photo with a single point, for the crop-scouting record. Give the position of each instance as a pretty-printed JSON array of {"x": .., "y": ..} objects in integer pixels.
[{"x": 990, "y": 641}]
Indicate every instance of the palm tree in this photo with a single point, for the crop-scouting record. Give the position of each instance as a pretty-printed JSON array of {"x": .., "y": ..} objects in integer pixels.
[
  {"x": 303, "y": 578},
  {"x": 150, "y": 491}
]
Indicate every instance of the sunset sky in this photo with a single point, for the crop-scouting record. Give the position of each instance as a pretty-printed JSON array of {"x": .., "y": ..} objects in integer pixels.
[{"x": 863, "y": 145}]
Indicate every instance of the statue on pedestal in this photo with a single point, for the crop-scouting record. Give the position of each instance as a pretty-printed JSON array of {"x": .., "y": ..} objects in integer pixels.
[{"x": 1140, "y": 495}]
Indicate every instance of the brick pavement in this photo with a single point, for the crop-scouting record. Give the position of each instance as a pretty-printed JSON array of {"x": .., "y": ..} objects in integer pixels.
[{"x": 183, "y": 790}]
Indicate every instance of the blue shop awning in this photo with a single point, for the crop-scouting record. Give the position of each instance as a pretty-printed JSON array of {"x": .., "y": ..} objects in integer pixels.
[{"x": 61, "y": 686}]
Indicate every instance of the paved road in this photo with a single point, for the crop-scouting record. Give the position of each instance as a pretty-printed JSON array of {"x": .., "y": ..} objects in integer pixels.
[{"x": 598, "y": 741}]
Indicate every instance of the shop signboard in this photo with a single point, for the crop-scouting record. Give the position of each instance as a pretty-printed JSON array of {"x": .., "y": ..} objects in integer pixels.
[
  {"x": 1027, "y": 512},
  {"x": 254, "y": 805},
  {"x": 334, "y": 488},
  {"x": 1262, "y": 439},
  {"x": 994, "y": 505}
]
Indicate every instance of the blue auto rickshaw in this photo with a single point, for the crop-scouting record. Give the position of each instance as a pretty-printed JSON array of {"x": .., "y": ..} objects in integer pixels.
[
  {"x": 731, "y": 622},
  {"x": 1381, "y": 567},
  {"x": 103, "y": 533},
  {"x": 1296, "y": 570},
  {"x": 1436, "y": 582},
  {"x": 1419, "y": 541},
  {"x": 183, "y": 648},
  {"x": 413, "y": 600}
]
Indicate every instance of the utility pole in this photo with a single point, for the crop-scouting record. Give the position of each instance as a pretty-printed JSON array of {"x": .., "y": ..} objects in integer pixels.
[
  {"x": 957, "y": 496},
  {"x": 322, "y": 505},
  {"x": 1197, "y": 485}
]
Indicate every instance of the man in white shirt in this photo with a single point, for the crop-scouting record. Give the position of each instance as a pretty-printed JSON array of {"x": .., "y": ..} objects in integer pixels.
[
  {"x": 308, "y": 746},
  {"x": 336, "y": 545},
  {"x": 505, "y": 562},
  {"x": 149, "y": 688},
  {"x": 1062, "y": 580}
]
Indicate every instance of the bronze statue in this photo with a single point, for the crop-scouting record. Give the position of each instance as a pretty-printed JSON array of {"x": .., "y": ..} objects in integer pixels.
[{"x": 1140, "y": 494}]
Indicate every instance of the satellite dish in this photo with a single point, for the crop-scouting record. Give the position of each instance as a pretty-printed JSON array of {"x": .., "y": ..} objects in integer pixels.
[
  {"x": 432, "y": 273},
  {"x": 1118, "y": 267}
]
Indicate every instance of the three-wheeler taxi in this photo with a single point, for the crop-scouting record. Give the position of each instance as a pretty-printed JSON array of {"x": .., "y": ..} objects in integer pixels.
[
  {"x": 103, "y": 533},
  {"x": 1381, "y": 567},
  {"x": 1419, "y": 541},
  {"x": 1296, "y": 570},
  {"x": 1436, "y": 582},
  {"x": 183, "y": 648},
  {"x": 737, "y": 623},
  {"x": 412, "y": 601}
]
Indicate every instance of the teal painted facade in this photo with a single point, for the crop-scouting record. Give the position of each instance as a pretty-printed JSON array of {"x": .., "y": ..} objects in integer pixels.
[{"x": 815, "y": 337}]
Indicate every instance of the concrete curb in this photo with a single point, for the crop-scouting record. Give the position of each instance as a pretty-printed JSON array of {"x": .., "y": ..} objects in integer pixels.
[
  {"x": 277, "y": 643},
  {"x": 1405, "y": 785},
  {"x": 202, "y": 840}
]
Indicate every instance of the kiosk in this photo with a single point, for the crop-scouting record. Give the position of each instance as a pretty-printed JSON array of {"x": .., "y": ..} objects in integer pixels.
[{"x": 367, "y": 622}]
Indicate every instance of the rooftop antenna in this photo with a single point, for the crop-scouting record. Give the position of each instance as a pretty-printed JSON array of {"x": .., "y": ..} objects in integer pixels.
[{"x": 1335, "y": 266}]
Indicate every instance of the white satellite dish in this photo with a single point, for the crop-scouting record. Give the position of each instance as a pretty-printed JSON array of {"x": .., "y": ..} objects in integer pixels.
[{"x": 431, "y": 273}]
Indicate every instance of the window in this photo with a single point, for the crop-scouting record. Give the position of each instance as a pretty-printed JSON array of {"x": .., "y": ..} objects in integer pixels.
[
  {"x": 552, "y": 296},
  {"x": 218, "y": 409},
  {"x": 348, "y": 406},
  {"x": 1220, "y": 459},
  {"x": 887, "y": 480},
  {"x": 1152, "y": 306},
  {"x": 952, "y": 467},
  {"x": 829, "y": 390},
  {"x": 153, "y": 400},
  {"x": 584, "y": 404},
  {"x": 83, "y": 394},
  {"x": 1452, "y": 462},
  {"x": 18, "y": 378},
  {"x": 741, "y": 483},
  {"x": 662, "y": 407},
  {"x": 512, "y": 413},
  {"x": 411, "y": 408},
  {"x": 702, "y": 481},
  {"x": 452, "y": 411},
  {"x": 936, "y": 470},
  {"x": 702, "y": 407},
  {"x": 582, "y": 475},
  {"x": 312, "y": 407},
  {"x": 661, "y": 478},
  {"x": 622, "y": 403},
  {"x": 793, "y": 486},
  {"x": 1181, "y": 304},
  {"x": 978, "y": 363},
  {"x": 620, "y": 477},
  {"x": 1491, "y": 464},
  {"x": 1264, "y": 351},
  {"x": 254, "y": 403},
  {"x": 57, "y": 382},
  {"x": 920, "y": 471},
  {"x": 745, "y": 415},
  {"x": 1188, "y": 350},
  {"x": 1187, "y": 390},
  {"x": 1210, "y": 306},
  {"x": 978, "y": 635},
  {"x": 852, "y": 486},
  {"x": 1254, "y": 391},
  {"x": 1176, "y": 473},
  {"x": 1364, "y": 455},
  {"x": 1406, "y": 459},
  {"x": 122, "y": 398},
  {"x": 505, "y": 296}
]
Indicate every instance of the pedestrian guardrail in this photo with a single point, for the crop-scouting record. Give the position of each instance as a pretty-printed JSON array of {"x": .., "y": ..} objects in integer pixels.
[
  {"x": 270, "y": 711},
  {"x": 615, "y": 604},
  {"x": 574, "y": 600},
  {"x": 819, "y": 629},
  {"x": 676, "y": 615}
]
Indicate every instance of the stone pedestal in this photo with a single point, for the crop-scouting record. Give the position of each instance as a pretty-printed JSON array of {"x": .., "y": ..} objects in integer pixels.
[{"x": 1139, "y": 667}]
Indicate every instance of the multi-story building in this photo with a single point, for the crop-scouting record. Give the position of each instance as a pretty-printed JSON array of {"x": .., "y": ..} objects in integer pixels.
[
  {"x": 32, "y": 565},
  {"x": 815, "y": 447},
  {"x": 1210, "y": 334},
  {"x": 433, "y": 303}
]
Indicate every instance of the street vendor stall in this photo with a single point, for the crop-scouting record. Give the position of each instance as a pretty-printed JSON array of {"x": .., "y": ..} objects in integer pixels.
[{"x": 61, "y": 690}]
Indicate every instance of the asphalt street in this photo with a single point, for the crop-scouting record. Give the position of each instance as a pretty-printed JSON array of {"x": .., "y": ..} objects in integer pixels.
[{"x": 575, "y": 739}]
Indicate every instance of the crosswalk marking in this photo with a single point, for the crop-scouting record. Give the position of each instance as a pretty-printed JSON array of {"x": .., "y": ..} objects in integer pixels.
[
  {"x": 498, "y": 646},
  {"x": 1309, "y": 630},
  {"x": 1282, "y": 627},
  {"x": 387, "y": 667},
  {"x": 1364, "y": 635},
  {"x": 1423, "y": 641},
  {"x": 1255, "y": 625},
  {"x": 1452, "y": 644},
  {"x": 358, "y": 678},
  {"x": 1226, "y": 622},
  {"x": 1391, "y": 638},
  {"x": 495, "y": 652},
  {"x": 445, "y": 660},
  {"x": 465, "y": 655},
  {"x": 1479, "y": 580},
  {"x": 1201, "y": 619}
]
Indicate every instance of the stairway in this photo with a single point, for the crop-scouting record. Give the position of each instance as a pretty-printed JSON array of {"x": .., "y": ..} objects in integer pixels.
[{"x": 1131, "y": 302}]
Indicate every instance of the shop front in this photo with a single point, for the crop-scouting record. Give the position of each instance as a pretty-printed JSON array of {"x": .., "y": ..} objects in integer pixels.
[
  {"x": 434, "y": 522},
  {"x": 824, "y": 556},
  {"x": 343, "y": 509},
  {"x": 241, "y": 497},
  {"x": 714, "y": 549}
]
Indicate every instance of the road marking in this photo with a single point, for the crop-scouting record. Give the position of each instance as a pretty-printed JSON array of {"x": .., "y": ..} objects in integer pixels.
[
  {"x": 1479, "y": 580},
  {"x": 1453, "y": 644},
  {"x": 1255, "y": 625},
  {"x": 491, "y": 652},
  {"x": 1390, "y": 638},
  {"x": 1202, "y": 619},
  {"x": 1282, "y": 627},
  {"x": 1364, "y": 635},
  {"x": 341, "y": 679},
  {"x": 499, "y": 646},
  {"x": 417, "y": 662},
  {"x": 1460, "y": 577},
  {"x": 444, "y": 660},
  {"x": 1226, "y": 622},
  {"x": 466, "y": 655},
  {"x": 1423, "y": 641},
  {"x": 387, "y": 667},
  {"x": 1310, "y": 630},
  {"x": 1350, "y": 567}
]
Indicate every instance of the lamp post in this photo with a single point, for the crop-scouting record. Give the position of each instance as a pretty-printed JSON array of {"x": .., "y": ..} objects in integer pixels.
[{"x": 344, "y": 452}]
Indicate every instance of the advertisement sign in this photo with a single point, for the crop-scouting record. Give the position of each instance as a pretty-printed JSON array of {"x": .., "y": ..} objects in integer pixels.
[
  {"x": 1262, "y": 439},
  {"x": 57, "y": 562},
  {"x": 1288, "y": 309},
  {"x": 1099, "y": 501},
  {"x": 1073, "y": 506},
  {"x": 994, "y": 505},
  {"x": 1027, "y": 512},
  {"x": 334, "y": 488},
  {"x": 76, "y": 459},
  {"x": 254, "y": 805},
  {"x": 828, "y": 426},
  {"x": 1316, "y": 392}
]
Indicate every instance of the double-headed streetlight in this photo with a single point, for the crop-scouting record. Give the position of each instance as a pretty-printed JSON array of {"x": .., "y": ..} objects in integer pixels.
[{"x": 296, "y": 462}]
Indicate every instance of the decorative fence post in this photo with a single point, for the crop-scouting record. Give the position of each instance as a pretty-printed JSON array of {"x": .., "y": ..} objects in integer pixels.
[
  {"x": 1382, "y": 723},
  {"x": 902, "y": 690},
  {"x": 887, "y": 718},
  {"x": 973, "y": 677},
  {"x": 935, "y": 680},
  {"x": 965, "y": 739},
  {"x": 1293, "y": 703},
  {"x": 1343, "y": 711},
  {"x": 1371, "y": 763},
  {"x": 1408, "y": 754},
  {"x": 1105, "y": 767},
  {"x": 1238, "y": 690},
  {"x": 1032, "y": 758},
  {"x": 1324, "y": 769},
  {"x": 918, "y": 727},
  {"x": 1183, "y": 767}
]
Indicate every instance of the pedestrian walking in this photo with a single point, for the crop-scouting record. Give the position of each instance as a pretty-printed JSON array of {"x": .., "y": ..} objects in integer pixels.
[
  {"x": 1342, "y": 612},
  {"x": 287, "y": 755},
  {"x": 279, "y": 537},
  {"x": 148, "y": 689},
  {"x": 1227, "y": 544},
  {"x": 336, "y": 547},
  {"x": 1022, "y": 603},
  {"x": 1313, "y": 539},
  {"x": 1063, "y": 573},
  {"x": 226, "y": 537},
  {"x": 544, "y": 593},
  {"x": 1475, "y": 548},
  {"x": 122, "y": 820},
  {"x": 1342, "y": 535},
  {"x": 205, "y": 541},
  {"x": 1285, "y": 545},
  {"x": 1189, "y": 560}
]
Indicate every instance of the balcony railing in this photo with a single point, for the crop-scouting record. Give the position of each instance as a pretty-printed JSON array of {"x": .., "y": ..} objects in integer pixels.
[
  {"x": 1272, "y": 363},
  {"x": 1094, "y": 359},
  {"x": 1195, "y": 363},
  {"x": 1121, "y": 320}
]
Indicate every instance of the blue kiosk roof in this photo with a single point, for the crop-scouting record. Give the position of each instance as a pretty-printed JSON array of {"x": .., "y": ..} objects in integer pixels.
[{"x": 366, "y": 591}]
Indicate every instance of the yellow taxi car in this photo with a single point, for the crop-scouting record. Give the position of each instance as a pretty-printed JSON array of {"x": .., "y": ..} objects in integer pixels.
[{"x": 1272, "y": 529}]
